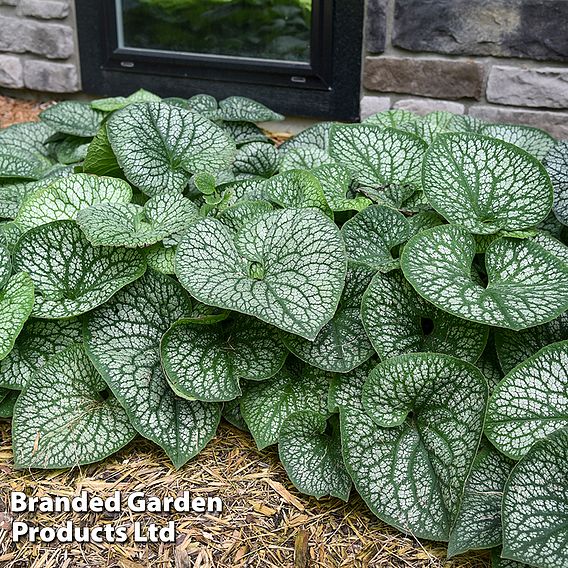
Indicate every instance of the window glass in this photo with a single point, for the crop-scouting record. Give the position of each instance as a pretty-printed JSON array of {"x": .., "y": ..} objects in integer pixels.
[{"x": 260, "y": 29}]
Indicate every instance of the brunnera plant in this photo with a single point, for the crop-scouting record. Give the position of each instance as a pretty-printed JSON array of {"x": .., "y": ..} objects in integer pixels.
[{"x": 386, "y": 302}]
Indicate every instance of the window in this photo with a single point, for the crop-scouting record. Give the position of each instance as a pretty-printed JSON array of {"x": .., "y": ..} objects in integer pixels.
[{"x": 301, "y": 57}]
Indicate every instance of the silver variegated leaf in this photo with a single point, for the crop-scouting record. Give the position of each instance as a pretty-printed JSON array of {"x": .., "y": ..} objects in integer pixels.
[
  {"x": 206, "y": 361},
  {"x": 244, "y": 212},
  {"x": 287, "y": 268},
  {"x": 526, "y": 285},
  {"x": 310, "y": 450},
  {"x": 70, "y": 275},
  {"x": 379, "y": 157},
  {"x": 485, "y": 185},
  {"x": 123, "y": 340},
  {"x": 159, "y": 146},
  {"x": 530, "y": 402},
  {"x": 62, "y": 419},
  {"x": 410, "y": 450},
  {"x": 398, "y": 320}
]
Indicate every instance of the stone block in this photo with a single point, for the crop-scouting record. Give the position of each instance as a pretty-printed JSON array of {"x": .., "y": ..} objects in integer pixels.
[
  {"x": 54, "y": 41},
  {"x": 51, "y": 77},
  {"x": 556, "y": 123},
  {"x": 437, "y": 78},
  {"x": 534, "y": 29},
  {"x": 43, "y": 9},
  {"x": 11, "y": 74},
  {"x": 372, "y": 105},
  {"x": 536, "y": 87},
  {"x": 376, "y": 25},
  {"x": 424, "y": 106}
]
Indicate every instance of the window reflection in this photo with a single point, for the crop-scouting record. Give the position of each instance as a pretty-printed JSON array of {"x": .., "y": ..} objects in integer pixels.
[{"x": 263, "y": 29}]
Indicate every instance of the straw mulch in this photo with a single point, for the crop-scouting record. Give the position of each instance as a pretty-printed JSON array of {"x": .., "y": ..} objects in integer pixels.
[{"x": 265, "y": 523}]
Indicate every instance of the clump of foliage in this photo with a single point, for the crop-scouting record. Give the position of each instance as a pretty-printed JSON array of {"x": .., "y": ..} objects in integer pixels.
[{"x": 386, "y": 301}]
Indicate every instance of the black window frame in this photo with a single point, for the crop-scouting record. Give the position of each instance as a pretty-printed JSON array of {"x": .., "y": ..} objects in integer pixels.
[{"x": 327, "y": 87}]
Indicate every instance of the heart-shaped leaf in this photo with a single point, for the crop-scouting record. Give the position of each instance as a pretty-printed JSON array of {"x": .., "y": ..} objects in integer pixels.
[
  {"x": 478, "y": 524},
  {"x": 533, "y": 140},
  {"x": 70, "y": 275},
  {"x": 342, "y": 344},
  {"x": 372, "y": 235},
  {"x": 378, "y": 157},
  {"x": 488, "y": 364},
  {"x": 123, "y": 340},
  {"x": 535, "y": 505},
  {"x": 556, "y": 163},
  {"x": 161, "y": 258},
  {"x": 410, "y": 452},
  {"x": 398, "y": 320},
  {"x": 130, "y": 225},
  {"x": 288, "y": 270},
  {"x": 159, "y": 146},
  {"x": 38, "y": 342},
  {"x": 65, "y": 197},
  {"x": 62, "y": 419},
  {"x": 265, "y": 405},
  {"x": 530, "y": 402},
  {"x": 206, "y": 361},
  {"x": 485, "y": 185},
  {"x": 310, "y": 450},
  {"x": 16, "y": 302},
  {"x": 73, "y": 118},
  {"x": 526, "y": 285}
]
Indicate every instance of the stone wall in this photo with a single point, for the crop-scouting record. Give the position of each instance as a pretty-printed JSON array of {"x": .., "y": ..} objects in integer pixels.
[
  {"x": 499, "y": 60},
  {"x": 38, "y": 46}
]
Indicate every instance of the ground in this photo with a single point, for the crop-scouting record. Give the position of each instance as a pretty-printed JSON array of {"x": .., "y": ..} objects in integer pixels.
[{"x": 265, "y": 523}]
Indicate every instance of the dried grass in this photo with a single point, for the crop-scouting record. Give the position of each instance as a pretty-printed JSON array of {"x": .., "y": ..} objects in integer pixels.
[{"x": 265, "y": 523}]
